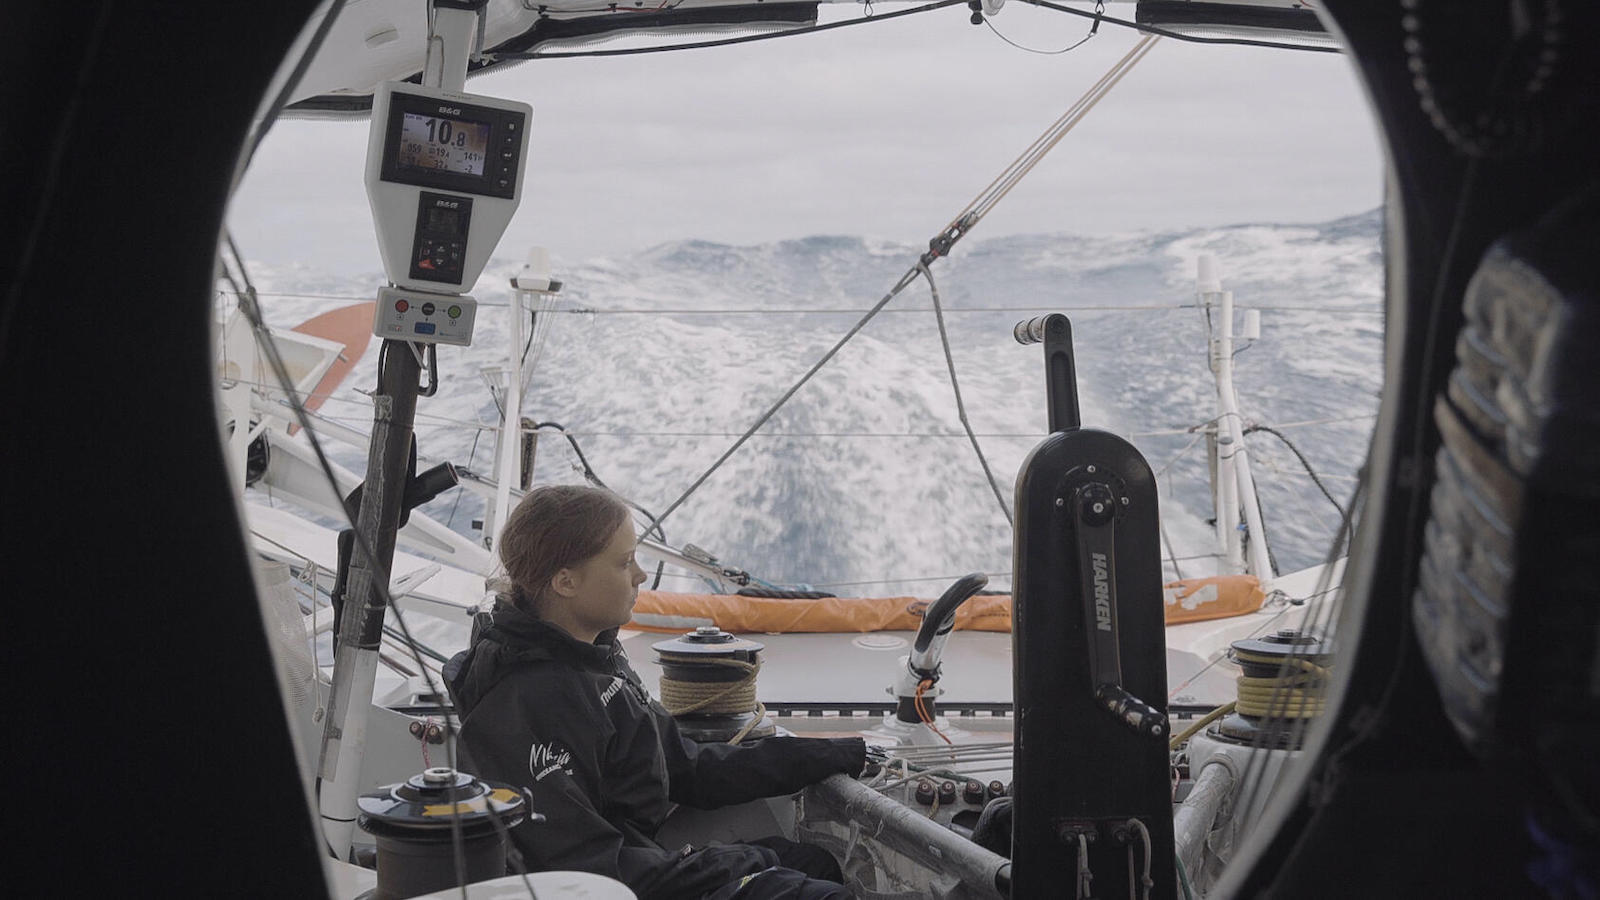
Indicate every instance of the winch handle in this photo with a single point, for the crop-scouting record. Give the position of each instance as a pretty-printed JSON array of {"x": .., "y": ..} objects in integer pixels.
[
  {"x": 1060, "y": 367},
  {"x": 1094, "y": 507}
]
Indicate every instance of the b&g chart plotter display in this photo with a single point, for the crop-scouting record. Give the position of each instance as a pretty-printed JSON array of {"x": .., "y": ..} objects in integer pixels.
[{"x": 444, "y": 176}]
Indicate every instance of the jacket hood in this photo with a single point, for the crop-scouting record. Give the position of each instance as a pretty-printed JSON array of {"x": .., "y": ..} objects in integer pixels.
[{"x": 512, "y": 639}]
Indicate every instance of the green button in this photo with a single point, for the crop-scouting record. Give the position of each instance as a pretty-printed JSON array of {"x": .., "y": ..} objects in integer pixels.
[{"x": 455, "y": 312}]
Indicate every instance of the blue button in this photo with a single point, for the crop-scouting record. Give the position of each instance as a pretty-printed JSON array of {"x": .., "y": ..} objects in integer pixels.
[{"x": 425, "y": 328}]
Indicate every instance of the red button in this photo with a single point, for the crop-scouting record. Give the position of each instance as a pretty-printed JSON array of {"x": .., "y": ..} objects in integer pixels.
[{"x": 401, "y": 306}]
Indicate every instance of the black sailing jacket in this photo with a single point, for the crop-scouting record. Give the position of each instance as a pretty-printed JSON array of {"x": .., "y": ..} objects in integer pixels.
[{"x": 571, "y": 724}]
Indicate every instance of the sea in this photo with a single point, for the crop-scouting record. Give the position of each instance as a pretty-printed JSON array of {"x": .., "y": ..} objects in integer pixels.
[{"x": 864, "y": 483}]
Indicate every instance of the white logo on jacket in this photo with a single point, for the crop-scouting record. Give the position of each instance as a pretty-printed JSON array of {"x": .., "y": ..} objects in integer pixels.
[
  {"x": 546, "y": 758},
  {"x": 611, "y": 690}
]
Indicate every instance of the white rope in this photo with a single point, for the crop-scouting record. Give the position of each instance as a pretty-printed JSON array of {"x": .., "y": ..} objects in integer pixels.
[
  {"x": 1085, "y": 877},
  {"x": 1144, "y": 833}
]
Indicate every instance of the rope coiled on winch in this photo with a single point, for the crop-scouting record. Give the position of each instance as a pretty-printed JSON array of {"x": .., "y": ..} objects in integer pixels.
[
  {"x": 1297, "y": 694},
  {"x": 708, "y": 697}
]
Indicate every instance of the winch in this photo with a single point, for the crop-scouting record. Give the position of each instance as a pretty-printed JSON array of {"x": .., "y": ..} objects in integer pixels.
[
  {"x": 708, "y": 683},
  {"x": 1282, "y": 684},
  {"x": 416, "y": 823}
]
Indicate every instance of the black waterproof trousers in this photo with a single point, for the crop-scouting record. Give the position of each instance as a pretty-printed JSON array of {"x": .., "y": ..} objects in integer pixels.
[{"x": 798, "y": 872}]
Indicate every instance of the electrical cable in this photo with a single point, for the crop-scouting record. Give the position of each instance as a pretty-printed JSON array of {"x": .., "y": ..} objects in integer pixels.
[
  {"x": 533, "y": 326},
  {"x": 922, "y": 709},
  {"x": 961, "y": 408},
  {"x": 1266, "y": 541},
  {"x": 543, "y": 325},
  {"x": 1307, "y": 465},
  {"x": 1067, "y": 49},
  {"x": 589, "y": 474}
]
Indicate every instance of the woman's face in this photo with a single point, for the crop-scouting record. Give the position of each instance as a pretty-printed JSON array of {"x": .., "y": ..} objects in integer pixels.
[{"x": 605, "y": 586}]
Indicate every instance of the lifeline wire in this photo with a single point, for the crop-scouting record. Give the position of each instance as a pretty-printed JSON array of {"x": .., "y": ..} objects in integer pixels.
[
  {"x": 905, "y": 279},
  {"x": 818, "y": 311},
  {"x": 940, "y": 245}
]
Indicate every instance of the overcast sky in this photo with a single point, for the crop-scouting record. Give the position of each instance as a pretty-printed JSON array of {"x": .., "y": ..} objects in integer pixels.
[{"x": 885, "y": 130}]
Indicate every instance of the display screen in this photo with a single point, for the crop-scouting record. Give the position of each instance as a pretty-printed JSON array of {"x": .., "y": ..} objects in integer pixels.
[
  {"x": 447, "y": 221},
  {"x": 436, "y": 143}
]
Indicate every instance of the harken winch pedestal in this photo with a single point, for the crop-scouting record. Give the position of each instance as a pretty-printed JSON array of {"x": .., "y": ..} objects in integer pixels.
[{"x": 1092, "y": 777}]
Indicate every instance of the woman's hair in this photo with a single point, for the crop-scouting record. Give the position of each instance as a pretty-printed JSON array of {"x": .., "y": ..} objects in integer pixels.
[{"x": 555, "y": 526}]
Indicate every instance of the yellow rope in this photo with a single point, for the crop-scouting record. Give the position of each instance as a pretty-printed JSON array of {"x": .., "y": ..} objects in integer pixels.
[
  {"x": 1297, "y": 695},
  {"x": 1203, "y": 721}
]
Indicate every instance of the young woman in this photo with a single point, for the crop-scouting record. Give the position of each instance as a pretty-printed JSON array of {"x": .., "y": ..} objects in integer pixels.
[{"x": 549, "y": 703}]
